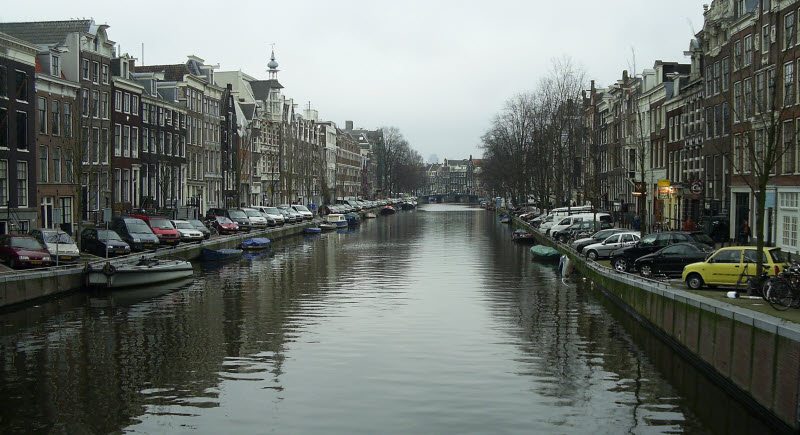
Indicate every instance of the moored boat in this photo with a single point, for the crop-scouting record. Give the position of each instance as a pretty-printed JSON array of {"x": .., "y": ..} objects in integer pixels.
[
  {"x": 147, "y": 271},
  {"x": 337, "y": 219},
  {"x": 327, "y": 226},
  {"x": 545, "y": 253},
  {"x": 522, "y": 236},
  {"x": 220, "y": 254},
  {"x": 256, "y": 243},
  {"x": 408, "y": 205},
  {"x": 353, "y": 219},
  {"x": 388, "y": 210},
  {"x": 369, "y": 215},
  {"x": 505, "y": 219},
  {"x": 312, "y": 230}
]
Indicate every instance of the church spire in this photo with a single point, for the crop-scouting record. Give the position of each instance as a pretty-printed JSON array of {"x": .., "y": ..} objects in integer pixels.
[{"x": 273, "y": 65}]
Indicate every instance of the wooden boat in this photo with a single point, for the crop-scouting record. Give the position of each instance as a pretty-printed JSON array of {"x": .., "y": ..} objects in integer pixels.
[
  {"x": 337, "y": 219},
  {"x": 312, "y": 230},
  {"x": 388, "y": 210},
  {"x": 522, "y": 236},
  {"x": 145, "y": 272},
  {"x": 545, "y": 253},
  {"x": 220, "y": 254},
  {"x": 327, "y": 226},
  {"x": 256, "y": 243}
]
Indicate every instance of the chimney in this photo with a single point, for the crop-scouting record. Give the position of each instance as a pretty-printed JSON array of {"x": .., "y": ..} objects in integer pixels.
[{"x": 348, "y": 125}]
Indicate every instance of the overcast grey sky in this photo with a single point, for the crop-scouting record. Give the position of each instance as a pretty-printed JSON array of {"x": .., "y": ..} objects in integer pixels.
[{"x": 438, "y": 70}]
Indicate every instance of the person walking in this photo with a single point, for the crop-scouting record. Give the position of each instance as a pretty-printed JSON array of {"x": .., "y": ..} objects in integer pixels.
[
  {"x": 637, "y": 223},
  {"x": 744, "y": 233}
]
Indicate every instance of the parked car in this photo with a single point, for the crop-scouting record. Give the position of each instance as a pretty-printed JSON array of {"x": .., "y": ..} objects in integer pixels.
[
  {"x": 162, "y": 228},
  {"x": 257, "y": 219},
  {"x": 187, "y": 231},
  {"x": 241, "y": 219},
  {"x": 597, "y": 237},
  {"x": 294, "y": 215},
  {"x": 200, "y": 226},
  {"x": 731, "y": 265},
  {"x": 305, "y": 212},
  {"x": 135, "y": 232},
  {"x": 103, "y": 243},
  {"x": 224, "y": 225},
  {"x": 570, "y": 220},
  {"x": 23, "y": 251},
  {"x": 581, "y": 227},
  {"x": 623, "y": 259},
  {"x": 214, "y": 212},
  {"x": 274, "y": 214},
  {"x": 59, "y": 244},
  {"x": 672, "y": 259},
  {"x": 611, "y": 244}
]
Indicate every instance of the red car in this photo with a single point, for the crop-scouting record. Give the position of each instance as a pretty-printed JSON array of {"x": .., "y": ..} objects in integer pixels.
[
  {"x": 162, "y": 227},
  {"x": 224, "y": 225},
  {"x": 23, "y": 251}
]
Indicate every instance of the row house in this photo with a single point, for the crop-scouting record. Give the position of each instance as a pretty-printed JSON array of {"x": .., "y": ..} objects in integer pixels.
[
  {"x": 163, "y": 164},
  {"x": 328, "y": 136},
  {"x": 18, "y": 103},
  {"x": 126, "y": 119},
  {"x": 348, "y": 166},
  {"x": 57, "y": 189},
  {"x": 85, "y": 57}
]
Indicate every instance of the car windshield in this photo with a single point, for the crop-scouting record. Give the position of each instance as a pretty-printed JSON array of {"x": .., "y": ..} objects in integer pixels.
[
  {"x": 300, "y": 208},
  {"x": 197, "y": 223},
  {"x": 107, "y": 235},
  {"x": 54, "y": 237},
  {"x": 253, "y": 213},
  {"x": 183, "y": 225},
  {"x": 272, "y": 210},
  {"x": 224, "y": 220},
  {"x": 138, "y": 228},
  {"x": 237, "y": 214},
  {"x": 162, "y": 224},
  {"x": 25, "y": 243},
  {"x": 778, "y": 256}
]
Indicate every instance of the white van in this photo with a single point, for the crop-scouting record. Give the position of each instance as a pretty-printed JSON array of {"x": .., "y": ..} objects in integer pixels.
[{"x": 565, "y": 222}]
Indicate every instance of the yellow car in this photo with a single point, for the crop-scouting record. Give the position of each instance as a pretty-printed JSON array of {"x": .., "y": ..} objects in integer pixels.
[{"x": 732, "y": 265}]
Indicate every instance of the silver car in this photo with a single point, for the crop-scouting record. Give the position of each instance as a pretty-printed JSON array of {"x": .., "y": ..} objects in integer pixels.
[{"x": 611, "y": 243}]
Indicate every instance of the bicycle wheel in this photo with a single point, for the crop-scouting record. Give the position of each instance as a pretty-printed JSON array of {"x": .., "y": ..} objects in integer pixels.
[{"x": 778, "y": 293}]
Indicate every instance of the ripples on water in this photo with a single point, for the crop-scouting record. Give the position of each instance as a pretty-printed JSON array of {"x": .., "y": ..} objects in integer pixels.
[{"x": 423, "y": 322}]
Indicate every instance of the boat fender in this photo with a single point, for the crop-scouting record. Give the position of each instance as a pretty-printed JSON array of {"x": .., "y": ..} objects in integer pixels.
[
  {"x": 566, "y": 266},
  {"x": 109, "y": 269}
]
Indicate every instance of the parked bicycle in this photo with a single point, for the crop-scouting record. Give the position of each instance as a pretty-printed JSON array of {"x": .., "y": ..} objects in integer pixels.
[{"x": 782, "y": 291}]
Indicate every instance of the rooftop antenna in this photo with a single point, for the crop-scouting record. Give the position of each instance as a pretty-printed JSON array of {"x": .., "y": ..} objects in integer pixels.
[{"x": 142, "y": 53}]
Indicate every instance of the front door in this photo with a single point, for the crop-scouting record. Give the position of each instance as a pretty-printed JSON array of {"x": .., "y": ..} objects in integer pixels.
[{"x": 742, "y": 211}]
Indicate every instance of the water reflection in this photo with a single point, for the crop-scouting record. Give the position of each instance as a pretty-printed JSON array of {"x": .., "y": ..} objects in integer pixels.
[{"x": 426, "y": 321}]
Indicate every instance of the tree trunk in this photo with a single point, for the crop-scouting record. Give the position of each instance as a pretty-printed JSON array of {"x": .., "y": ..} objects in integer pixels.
[{"x": 761, "y": 199}]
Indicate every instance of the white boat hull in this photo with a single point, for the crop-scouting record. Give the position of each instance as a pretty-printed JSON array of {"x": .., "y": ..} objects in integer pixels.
[{"x": 133, "y": 275}]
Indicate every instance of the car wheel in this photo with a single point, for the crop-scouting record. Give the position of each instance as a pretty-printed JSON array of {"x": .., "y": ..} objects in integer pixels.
[
  {"x": 13, "y": 264},
  {"x": 592, "y": 255},
  {"x": 621, "y": 265},
  {"x": 646, "y": 270},
  {"x": 694, "y": 281}
]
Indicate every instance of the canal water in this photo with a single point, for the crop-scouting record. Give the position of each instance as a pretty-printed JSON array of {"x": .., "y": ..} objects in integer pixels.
[{"x": 429, "y": 321}]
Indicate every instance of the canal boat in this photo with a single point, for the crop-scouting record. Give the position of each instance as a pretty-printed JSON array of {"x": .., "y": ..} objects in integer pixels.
[
  {"x": 337, "y": 219},
  {"x": 545, "y": 253},
  {"x": 369, "y": 215},
  {"x": 147, "y": 271},
  {"x": 408, "y": 205},
  {"x": 522, "y": 237},
  {"x": 387, "y": 210},
  {"x": 505, "y": 219},
  {"x": 220, "y": 254},
  {"x": 353, "y": 219},
  {"x": 328, "y": 226},
  {"x": 312, "y": 230},
  {"x": 256, "y": 243}
]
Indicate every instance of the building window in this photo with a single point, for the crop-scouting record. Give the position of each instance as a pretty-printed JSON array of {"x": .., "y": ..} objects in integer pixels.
[
  {"x": 3, "y": 127},
  {"x": 96, "y": 104},
  {"x": 22, "y": 184},
  {"x": 43, "y": 164},
  {"x": 717, "y": 78},
  {"x": 3, "y": 183},
  {"x": 84, "y": 152},
  {"x": 117, "y": 185},
  {"x": 145, "y": 139},
  {"x": 95, "y": 72},
  {"x": 126, "y": 141},
  {"x": 105, "y": 74},
  {"x": 118, "y": 101},
  {"x": 726, "y": 118},
  {"x": 22, "y": 130},
  {"x": 85, "y": 69},
  {"x": 788, "y": 147},
  {"x": 789, "y": 36},
  {"x": 55, "y": 66},
  {"x": 748, "y": 50},
  {"x": 67, "y": 120},
  {"x": 789, "y": 233},
  {"x": 748, "y": 97},
  {"x": 152, "y": 141},
  {"x": 135, "y": 105},
  {"x": 85, "y": 102},
  {"x": 126, "y": 185},
  {"x": 57, "y": 165},
  {"x": 21, "y": 81},
  {"x": 3, "y": 82},
  {"x": 104, "y": 106},
  {"x": 117, "y": 140},
  {"x": 41, "y": 109},
  {"x": 765, "y": 39},
  {"x": 96, "y": 145},
  {"x": 788, "y": 84},
  {"x": 55, "y": 110},
  {"x": 126, "y": 102},
  {"x": 134, "y": 142},
  {"x": 104, "y": 146},
  {"x": 737, "y": 54},
  {"x": 68, "y": 168},
  {"x": 726, "y": 73}
]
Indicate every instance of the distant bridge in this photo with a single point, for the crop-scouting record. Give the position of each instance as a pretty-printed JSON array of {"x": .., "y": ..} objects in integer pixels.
[{"x": 461, "y": 198}]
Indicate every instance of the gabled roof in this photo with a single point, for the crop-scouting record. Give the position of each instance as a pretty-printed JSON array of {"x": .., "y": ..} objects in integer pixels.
[
  {"x": 261, "y": 88},
  {"x": 46, "y": 32},
  {"x": 248, "y": 109},
  {"x": 172, "y": 73}
]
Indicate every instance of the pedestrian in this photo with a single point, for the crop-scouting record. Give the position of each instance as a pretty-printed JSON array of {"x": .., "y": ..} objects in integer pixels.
[
  {"x": 744, "y": 233},
  {"x": 637, "y": 223}
]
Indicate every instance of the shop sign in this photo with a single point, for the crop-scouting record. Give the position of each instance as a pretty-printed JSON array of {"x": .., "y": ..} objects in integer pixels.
[{"x": 664, "y": 189}]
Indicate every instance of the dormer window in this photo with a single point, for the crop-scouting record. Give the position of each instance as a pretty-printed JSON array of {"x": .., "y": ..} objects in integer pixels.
[{"x": 55, "y": 66}]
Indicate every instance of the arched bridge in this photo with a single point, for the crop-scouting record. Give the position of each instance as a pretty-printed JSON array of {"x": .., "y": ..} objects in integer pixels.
[{"x": 462, "y": 198}]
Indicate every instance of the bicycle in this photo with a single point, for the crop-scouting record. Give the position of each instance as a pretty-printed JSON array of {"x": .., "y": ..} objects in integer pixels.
[{"x": 782, "y": 291}]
